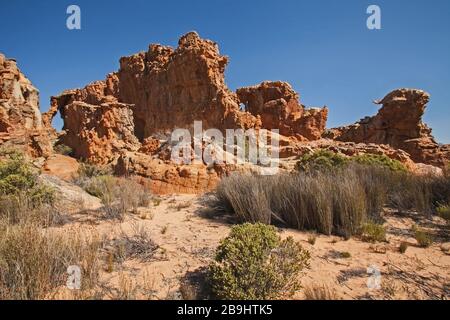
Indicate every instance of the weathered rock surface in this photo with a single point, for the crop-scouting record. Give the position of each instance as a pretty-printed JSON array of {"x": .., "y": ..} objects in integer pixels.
[
  {"x": 71, "y": 197},
  {"x": 399, "y": 124},
  {"x": 98, "y": 132},
  {"x": 21, "y": 124},
  {"x": 278, "y": 106},
  {"x": 169, "y": 88},
  {"x": 61, "y": 166}
]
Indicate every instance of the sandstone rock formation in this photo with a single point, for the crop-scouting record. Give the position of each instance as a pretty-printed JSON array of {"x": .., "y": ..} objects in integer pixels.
[
  {"x": 279, "y": 108},
  {"x": 21, "y": 124},
  {"x": 169, "y": 88},
  {"x": 399, "y": 125},
  {"x": 103, "y": 130},
  {"x": 126, "y": 120}
]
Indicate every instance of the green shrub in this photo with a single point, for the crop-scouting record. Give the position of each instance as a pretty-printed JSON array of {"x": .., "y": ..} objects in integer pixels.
[
  {"x": 423, "y": 238},
  {"x": 320, "y": 160},
  {"x": 87, "y": 170},
  {"x": 16, "y": 174},
  {"x": 18, "y": 179},
  {"x": 253, "y": 263},
  {"x": 403, "y": 247},
  {"x": 444, "y": 212},
  {"x": 373, "y": 232},
  {"x": 379, "y": 160}
]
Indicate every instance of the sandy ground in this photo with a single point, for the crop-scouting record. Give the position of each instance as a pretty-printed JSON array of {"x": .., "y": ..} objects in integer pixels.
[{"x": 187, "y": 238}]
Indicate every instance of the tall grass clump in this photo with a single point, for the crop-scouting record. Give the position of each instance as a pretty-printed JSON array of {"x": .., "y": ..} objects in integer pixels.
[
  {"x": 34, "y": 261},
  {"x": 332, "y": 201},
  {"x": 118, "y": 194}
]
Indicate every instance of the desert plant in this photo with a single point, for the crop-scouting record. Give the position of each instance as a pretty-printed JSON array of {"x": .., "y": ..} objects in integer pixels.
[
  {"x": 444, "y": 212},
  {"x": 423, "y": 238},
  {"x": 312, "y": 238},
  {"x": 63, "y": 149},
  {"x": 254, "y": 263},
  {"x": 33, "y": 262},
  {"x": 373, "y": 232},
  {"x": 138, "y": 245},
  {"x": 330, "y": 201},
  {"x": 118, "y": 194},
  {"x": 22, "y": 196},
  {"x": 403, "y": 247},
  {"x": 320, "y": 160},
  {"x": 320, "y": 293},
  {"x": 380, "y": 161}
]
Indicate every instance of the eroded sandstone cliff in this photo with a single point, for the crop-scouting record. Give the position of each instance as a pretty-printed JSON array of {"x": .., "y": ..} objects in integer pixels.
[
  {"x": 399, "y": 124},
  {"x": 21, "y": 124}
]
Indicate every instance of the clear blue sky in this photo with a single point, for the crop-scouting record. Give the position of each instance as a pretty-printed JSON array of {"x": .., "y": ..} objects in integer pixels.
[{"x": 321, "y": 47}]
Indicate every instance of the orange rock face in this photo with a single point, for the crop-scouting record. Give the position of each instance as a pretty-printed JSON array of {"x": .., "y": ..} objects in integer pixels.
[
  {"x": 399, "y": 125},
  {"x": 107, "y": 129},
  {"x": 277, "y": 104},
  {"x": 21, "y": 124}
]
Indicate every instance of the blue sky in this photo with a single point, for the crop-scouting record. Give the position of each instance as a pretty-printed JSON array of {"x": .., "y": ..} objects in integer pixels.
[{"x": 323, "y": 47}]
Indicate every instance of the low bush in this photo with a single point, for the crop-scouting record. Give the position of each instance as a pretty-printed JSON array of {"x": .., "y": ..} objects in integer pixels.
[
  {"x": 320, "y": 160},
  {"x": 118, "y": 194},
  {"x": 380, "y": 161},
  {"x": 423, "y": 238},
  {"x": 21, "y": 195},
  {"x": 403, "y": 247},
  {"x": 320, "y": 293},
  {"x": 444, "y": 212},
  {"x": 254, "y": 263},
  {"x": 325, "y": 159},
  {"x": 373, "y": 232}
]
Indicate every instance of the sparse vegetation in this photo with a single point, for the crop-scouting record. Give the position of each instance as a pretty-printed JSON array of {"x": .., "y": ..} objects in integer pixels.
[
  {"x": 345, "y": 255},
  {"x": 373, "y": 232},
  {"x": 254, "y": 263},
  {"x": 326, "y": 160},
  {"x": 312, "y": 238},
  {"x": 320, "y": 293},
  {"x": 423, "y": 238},
  {"x": 63, "y": 149},
  {"x": 403, "y": 247},
  {"x": 335, "y": 201},
  {"x": 138, "y": 245},
  {"x": 34, "y": 262},
  {"x": 380, "y": 161},
  {"x": 22, "y": 196},
  {"x": 321, "y": 160},
  {"x": 444, "y": 212},
  {"x": 119, "y": 195}
]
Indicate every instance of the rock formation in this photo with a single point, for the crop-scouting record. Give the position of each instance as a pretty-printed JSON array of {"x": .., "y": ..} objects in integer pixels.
[
  {"x": 21, "y": 124},
  {"x": 169, "y": 88},
  {"x": 126, "y": 120},
  {"x": 399, "y": 125},
  {"x": 279, "y": 108}
]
